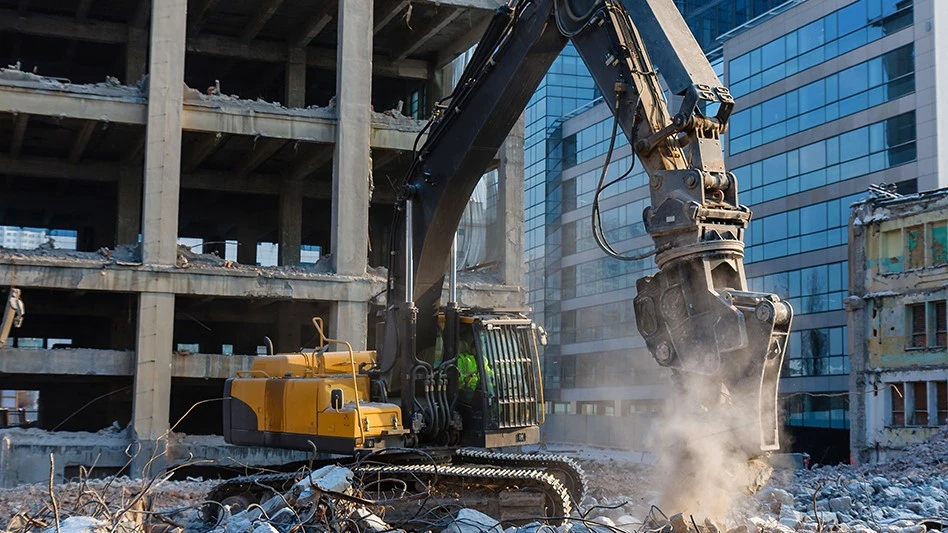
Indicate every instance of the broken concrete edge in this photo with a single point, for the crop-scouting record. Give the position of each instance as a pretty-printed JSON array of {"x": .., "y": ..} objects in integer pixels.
[
  {"x": 876, "y": 210},
  {"x": 105, "y": 362},
  {"x": 92, "y": 271},
  {"x": 111, "y": 89}
]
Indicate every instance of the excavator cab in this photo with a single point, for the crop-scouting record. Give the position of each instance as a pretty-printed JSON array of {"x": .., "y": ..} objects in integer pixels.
[{"x": 500, "y": 390}]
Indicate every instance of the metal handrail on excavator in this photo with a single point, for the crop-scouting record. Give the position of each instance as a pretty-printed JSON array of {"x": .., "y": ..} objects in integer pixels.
[{"x": 323, "y": 342}]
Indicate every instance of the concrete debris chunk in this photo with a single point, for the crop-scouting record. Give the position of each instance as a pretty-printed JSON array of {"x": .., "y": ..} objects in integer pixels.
[
  {"x": 329, "y": 478},
  {"x": 471, "y": 521},
  {"x": 80, "y": 524},
  {"x": 370, "y": 522},
  {"x": 265, "y": 528}
]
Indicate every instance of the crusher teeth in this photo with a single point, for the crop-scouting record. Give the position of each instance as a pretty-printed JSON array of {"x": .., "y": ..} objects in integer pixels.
[
  {"x": 576, "y": 481},
  {"x": 489, "y": 478}
]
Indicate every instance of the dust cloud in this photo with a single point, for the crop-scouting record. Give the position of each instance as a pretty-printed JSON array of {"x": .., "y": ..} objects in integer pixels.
[{"x": 702, "y": 446}]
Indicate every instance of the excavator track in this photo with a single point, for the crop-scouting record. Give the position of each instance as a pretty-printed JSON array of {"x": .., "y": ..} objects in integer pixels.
[
  {"x": 566, "y": 469},
  {"x": 488, "y": 480},
  {"x": 466, "y": 481}
]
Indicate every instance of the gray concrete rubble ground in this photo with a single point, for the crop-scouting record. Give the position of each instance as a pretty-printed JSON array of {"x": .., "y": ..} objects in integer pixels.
[{"x": 907, "y": 495}]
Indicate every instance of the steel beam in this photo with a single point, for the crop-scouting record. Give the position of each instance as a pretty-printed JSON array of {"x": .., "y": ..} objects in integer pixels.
[
  {"x": 201, "y": 10},
  {"x": 425, "y": 33},
  {"x": 200, "y": 151},
  {"x": 81, "y": 141},
  {"x": 263, "y": 150},
  {"x": 312, "y": 162},
  {"x": 386, "y": 16},
  {"x": 316, "y": 24},
  {"x": 260, "y": 18}
]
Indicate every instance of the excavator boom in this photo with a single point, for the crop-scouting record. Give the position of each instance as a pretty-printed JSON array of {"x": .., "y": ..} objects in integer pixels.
[{"x": 696, "y": 314}]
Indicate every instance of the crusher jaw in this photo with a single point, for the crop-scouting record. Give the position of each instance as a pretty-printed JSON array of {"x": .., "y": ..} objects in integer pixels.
[{"x": 714, "y": 335}]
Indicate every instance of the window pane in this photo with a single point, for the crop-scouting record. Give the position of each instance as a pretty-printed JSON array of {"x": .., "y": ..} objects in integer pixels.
[
  {"x": 917, "y": 326},
  {"x": 897, "y": 392},
  {"x": 939, "y": 243},
  {"x": 914, "y": 247}
]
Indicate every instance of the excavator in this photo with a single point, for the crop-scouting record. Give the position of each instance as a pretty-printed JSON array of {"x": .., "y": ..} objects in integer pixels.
[{"x": 410, "y": 404}]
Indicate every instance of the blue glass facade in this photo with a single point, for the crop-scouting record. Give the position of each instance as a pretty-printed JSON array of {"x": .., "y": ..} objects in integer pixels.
[
  {"x": 860, "y": 87},
  {"x": 800, "y": 190},
  {"x": 566, "y": 87},
  {"x": 833, "y": 35},
  {"x": 709, "y": 19}
]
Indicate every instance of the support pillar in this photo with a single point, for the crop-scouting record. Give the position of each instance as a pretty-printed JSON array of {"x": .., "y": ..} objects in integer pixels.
[
  {"x": 136, "y": 55},
  {"x": 128, "y": 223},
  {"x": 350, "y": 166},
  {"x": 153, "y": 368},
  {"x": 291, "y": 221},
  {"x": 247, "y": 243},
  {"x": 348, "y": 321},
  {"x": 155, "y": 332},
  {"x": 288, "y": 329},
  {"x": 296, "y": 78},
  {"x": 510, "y": 210}
]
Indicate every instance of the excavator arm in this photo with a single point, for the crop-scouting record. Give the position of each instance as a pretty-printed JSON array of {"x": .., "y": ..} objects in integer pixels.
[{"x": 696, "y": 314}]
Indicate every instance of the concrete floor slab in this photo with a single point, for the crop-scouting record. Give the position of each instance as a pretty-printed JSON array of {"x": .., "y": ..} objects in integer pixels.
[{"x": 24, "y": 453}]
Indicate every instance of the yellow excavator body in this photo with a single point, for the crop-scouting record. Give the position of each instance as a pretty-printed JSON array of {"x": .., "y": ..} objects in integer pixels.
[{"x": 302, "y": 400}]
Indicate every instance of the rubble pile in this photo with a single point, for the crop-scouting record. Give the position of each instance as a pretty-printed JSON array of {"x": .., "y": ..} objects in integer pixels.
[{"x": 904, "y": 495}]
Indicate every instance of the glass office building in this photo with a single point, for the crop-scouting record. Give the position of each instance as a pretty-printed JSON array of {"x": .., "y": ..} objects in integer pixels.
[{"x": 832, "y": 95}]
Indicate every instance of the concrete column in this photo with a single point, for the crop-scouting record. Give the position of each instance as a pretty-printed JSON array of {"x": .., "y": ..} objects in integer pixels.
[
  {"x": 163, "y": 132},
  {"x": 128, "y": 222},
  {"x": 288, "y": 328},
  {"x": 136, "y": 55},
  {"x": 348, "y": 321},
  {"x": 150, "y": 407},
  {"x": 510, "y": 208},
  {"x": 247, "y": 243},
  {"x": 857, "y": 319},
  {"x": 151, "y": 403},
  {"x": 296, "y": 78},
  {"x": 291, "y": 221},
  {"x": 350, "y": 167}
]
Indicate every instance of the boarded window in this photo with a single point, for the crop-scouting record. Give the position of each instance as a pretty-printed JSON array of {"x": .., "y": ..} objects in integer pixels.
[
  {"x": 914, "y": 247},
  {"x": 916, "y": 319},
  {"x": 897, "y": 390},
  {"x": 892, "y": 251},
  {"x": 938, "y": 243},
  {"x": 941, "y": 390},
  {"x": 920, "y": 414},
  {"x": 941, "y": 328}
]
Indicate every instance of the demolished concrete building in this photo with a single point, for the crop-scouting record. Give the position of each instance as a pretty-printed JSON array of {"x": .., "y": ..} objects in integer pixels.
[
  {"x": 116, "y": 125},
  {"x": 898, "y": 257}
]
